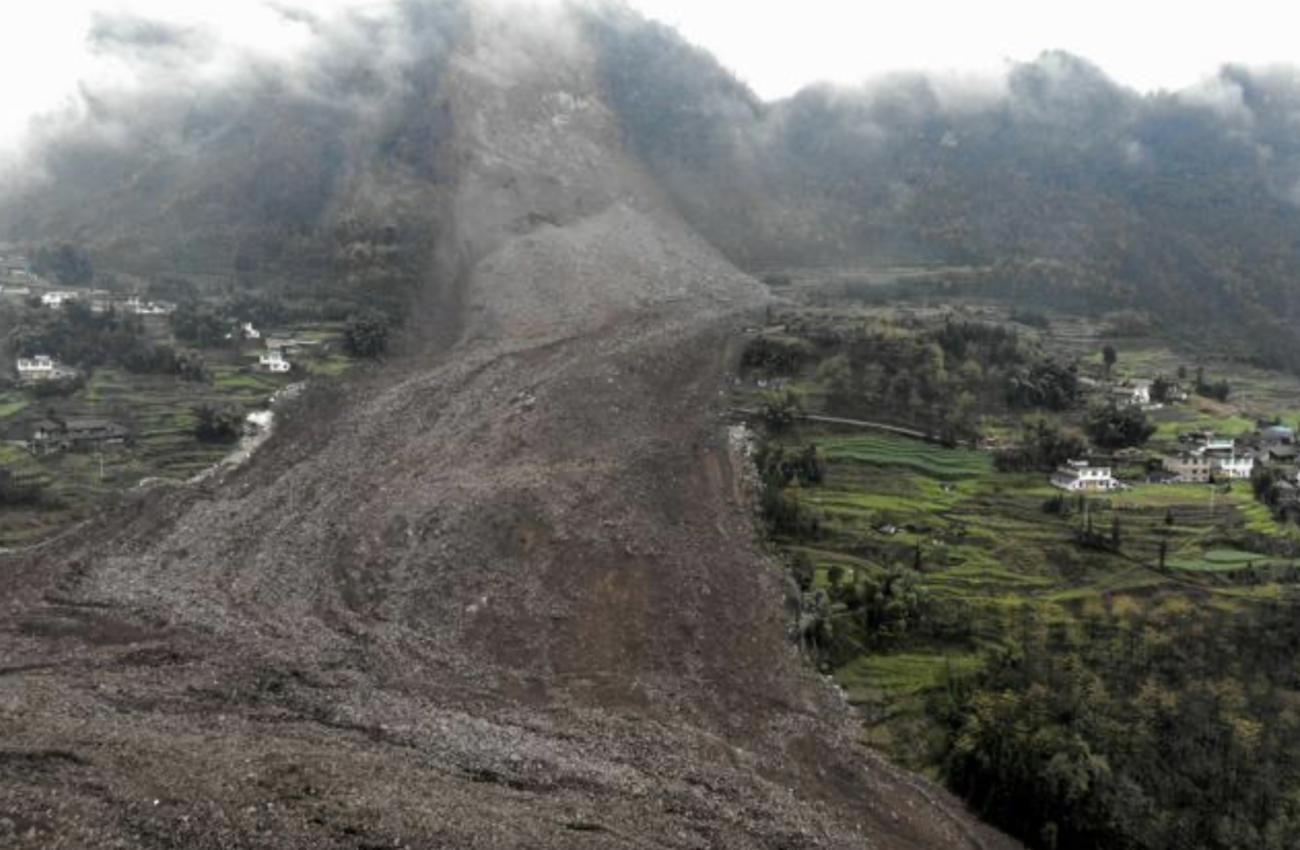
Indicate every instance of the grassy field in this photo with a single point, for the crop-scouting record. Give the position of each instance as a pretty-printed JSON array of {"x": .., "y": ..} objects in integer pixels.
[{"x": 1220, "y": 561}]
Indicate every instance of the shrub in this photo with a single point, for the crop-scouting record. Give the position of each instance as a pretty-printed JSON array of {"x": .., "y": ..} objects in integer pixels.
[
  {"x": 218, "y": 424},
  {"x": 59, "y": 387},
  {"x": 781, "y": 408},
  {"x": 1114, "y": 427},
  {"x": 366, "y": 334}
]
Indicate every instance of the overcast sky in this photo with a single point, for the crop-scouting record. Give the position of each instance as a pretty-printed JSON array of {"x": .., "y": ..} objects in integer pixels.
[{"x": 775, "y": 45}]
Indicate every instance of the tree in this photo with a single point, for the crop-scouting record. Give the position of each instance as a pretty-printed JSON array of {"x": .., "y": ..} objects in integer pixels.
[
  {"x": 1162, "y": 390},
  {"x": 1042, "y": 447},
  {"x": 366, "y": 334},
  {"x": 891, "y": 604},
  {"x": 1114, "y": 427},
  {"x": 836, "y": 375},
  {"x": 199, "y": 326},
  {"x": 1217, "y": 390},
  {"x": 67, "y": 263},
  {"x": 218, "y": 424},
  {"x": 803, "y": 570},
  {"x": 1109, "y": 357},
  {"x": 1047, "y": 383},
  {"x": 781, "y": 408},
  {"x": 190, "y": 366}
]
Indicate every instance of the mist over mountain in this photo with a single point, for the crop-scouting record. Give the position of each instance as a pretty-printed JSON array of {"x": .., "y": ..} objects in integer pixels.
[
  {"x": 1183, "y": 204},
  {"x": 321, "y": 171},
  {"x": 505, "y": 590}
]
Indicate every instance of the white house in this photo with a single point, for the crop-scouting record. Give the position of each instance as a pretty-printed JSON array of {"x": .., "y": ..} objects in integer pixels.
[
  {"x": 1235, "y": 465},
  {"x": 249, "y": 332},
  {"x": 1224, "y": 457},
  {"x": 1206, "y": 456},
  {"x": 1137, "y": 393},
  {"x": 42, "y": 367},
  {"x": 273, "y": 361},
  {"x": 1079, "y": 475},
  {"x": 56, "y": 300},
  {"x": 37, "y": 368},
  {"x": 146, "y": 308}
]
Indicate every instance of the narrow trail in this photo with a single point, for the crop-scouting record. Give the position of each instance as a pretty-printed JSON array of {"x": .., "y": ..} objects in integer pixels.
[{"x": 852, "y": 423}]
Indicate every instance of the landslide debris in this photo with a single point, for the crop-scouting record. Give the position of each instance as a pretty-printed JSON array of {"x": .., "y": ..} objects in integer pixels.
[{"x": 496, "y": 595}]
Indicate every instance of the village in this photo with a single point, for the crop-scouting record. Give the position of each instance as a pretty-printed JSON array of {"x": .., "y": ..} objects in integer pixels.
[
  {"x": 1198, "y": 457},
  {"x": 104, "y": 383},
  {"x": 935, "y": 476},
  {"x": 19, "y": 282}
]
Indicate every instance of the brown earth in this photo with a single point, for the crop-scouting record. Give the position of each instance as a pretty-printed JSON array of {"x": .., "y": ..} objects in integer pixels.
[{"x": 497, "y": 595}]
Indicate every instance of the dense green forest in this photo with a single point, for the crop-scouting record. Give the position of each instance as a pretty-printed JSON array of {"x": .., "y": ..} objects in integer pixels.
[
  {"x": 936, "y": 378},
  {"x": 1166, "y": 729}
]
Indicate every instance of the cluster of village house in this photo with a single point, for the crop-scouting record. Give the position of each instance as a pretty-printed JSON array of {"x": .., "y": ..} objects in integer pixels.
[
  {"x": 68, "y": 434},
  {"x": 1200, "y": 458},
  {"x": 17, "y": 280},
  {"x": 1138, "y": 393},
  {"x": 57, "y": 434}
]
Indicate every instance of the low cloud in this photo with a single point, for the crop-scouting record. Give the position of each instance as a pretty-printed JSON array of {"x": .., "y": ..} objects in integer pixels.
[{"x": 142, "y": 40}]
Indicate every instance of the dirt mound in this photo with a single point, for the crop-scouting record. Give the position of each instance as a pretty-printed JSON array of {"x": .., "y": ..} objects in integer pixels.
[{"x": 502, "y": 596}]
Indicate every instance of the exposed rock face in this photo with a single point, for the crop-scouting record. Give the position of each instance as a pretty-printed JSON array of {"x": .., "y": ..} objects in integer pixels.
[{"x": 502, "y": 596}]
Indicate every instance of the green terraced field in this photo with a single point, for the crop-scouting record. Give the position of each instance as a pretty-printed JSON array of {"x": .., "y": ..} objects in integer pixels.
[
  {"x": 893, "y": 451},
  {"x": 980, "y": 547},
  {"x": 1219, "y": 560},
  {"x": 984, "y": 543}
]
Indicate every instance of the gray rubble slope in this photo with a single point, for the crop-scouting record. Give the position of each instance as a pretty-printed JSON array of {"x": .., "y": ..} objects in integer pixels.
[{"x": 502, "y": 596}]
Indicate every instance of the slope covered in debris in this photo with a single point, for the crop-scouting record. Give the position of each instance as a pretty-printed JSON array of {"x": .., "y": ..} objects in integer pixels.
[{"x": 498, "y": 594}]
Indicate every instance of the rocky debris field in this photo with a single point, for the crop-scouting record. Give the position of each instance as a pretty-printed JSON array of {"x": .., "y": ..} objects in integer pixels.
[
  {"x": 497, "y": 595},
  {"x": 505, "y": 602}
]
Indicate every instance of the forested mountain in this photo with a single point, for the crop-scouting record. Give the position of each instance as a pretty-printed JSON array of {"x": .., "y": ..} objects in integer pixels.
[{"x": 1066, "y": 183}]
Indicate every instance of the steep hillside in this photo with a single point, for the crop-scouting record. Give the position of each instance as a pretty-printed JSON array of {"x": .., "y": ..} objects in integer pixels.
[{"x": 502, "y": 596}]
